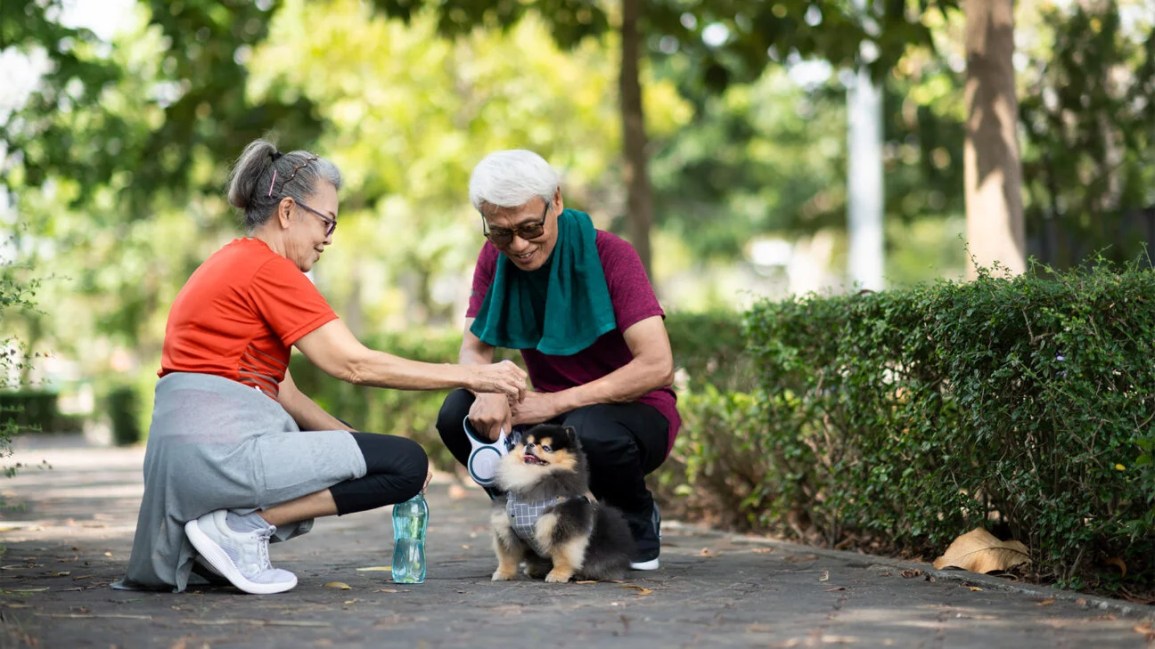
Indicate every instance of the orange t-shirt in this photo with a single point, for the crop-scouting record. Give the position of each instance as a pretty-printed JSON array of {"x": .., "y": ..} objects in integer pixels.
[{"x": 239, "y": 314}]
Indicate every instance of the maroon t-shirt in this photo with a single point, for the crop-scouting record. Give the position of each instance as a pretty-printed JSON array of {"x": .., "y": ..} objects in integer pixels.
[{"x": 633, "y": 300}]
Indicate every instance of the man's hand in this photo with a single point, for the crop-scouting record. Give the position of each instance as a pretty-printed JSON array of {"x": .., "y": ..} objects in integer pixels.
[
  {"x": 535, "y": 408},
  {"x": 490, "y": 414}
]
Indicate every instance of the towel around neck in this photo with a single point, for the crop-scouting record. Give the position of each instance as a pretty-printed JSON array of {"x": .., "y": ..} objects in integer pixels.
[{"x": 559, "y": 309}]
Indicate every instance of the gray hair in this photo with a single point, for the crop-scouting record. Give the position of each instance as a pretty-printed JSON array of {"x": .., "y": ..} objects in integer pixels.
[
  {"x": 262, "y": 176},
  {"x": 511, "y": 178}
]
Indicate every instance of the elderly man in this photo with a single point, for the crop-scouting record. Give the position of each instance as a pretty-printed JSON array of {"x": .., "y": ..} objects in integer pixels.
[{"x": 576, "y": 302}]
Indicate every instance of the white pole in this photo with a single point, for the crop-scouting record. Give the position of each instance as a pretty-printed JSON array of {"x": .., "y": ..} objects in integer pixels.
[{"x": 864, "y": 195}]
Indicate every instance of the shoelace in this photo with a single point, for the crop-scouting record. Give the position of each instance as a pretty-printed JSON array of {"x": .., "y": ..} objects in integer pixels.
[{"x": 263, "y": 548}]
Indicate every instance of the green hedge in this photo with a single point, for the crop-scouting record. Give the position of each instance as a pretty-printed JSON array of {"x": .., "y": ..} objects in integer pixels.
[
  {"x": 899, "y": 420},
  {"x": 29, "y": 411}
]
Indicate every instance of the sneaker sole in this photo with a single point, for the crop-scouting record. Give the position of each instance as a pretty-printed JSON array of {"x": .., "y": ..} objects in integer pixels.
[
  {"x": 652, "y": 564},
  {"x": 216, "y": 557}
]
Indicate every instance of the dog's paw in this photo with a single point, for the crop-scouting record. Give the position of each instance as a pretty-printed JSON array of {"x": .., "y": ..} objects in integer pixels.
[
  {"x": 556, "y": 576},
  {"x": 504, "y": 575}
]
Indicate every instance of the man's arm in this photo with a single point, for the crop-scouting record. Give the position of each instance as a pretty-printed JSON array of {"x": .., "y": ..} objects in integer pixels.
[
  {"x": 651, "y": 368},
  {"x": 473, "y": 351}
]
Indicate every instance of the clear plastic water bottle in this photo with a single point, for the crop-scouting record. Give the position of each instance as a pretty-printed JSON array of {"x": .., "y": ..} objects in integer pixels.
[{"x": 410, "y": 519}]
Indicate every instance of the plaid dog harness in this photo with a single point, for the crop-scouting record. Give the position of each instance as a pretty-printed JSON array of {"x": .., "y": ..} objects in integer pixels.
[{"x": 523, "y": 514}]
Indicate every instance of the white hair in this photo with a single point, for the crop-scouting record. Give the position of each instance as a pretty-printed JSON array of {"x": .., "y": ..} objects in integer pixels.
[{"x": 511, "y": 178}]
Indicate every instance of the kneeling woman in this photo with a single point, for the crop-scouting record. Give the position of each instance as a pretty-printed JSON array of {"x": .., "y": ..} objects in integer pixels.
[{"x": 237, "y": 455}]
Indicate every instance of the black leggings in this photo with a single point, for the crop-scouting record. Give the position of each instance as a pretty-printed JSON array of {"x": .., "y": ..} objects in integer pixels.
[{"x": 395, "y": 472}]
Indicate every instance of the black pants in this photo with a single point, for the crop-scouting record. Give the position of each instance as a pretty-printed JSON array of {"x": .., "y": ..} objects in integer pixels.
[
  {"x": 396, "y": 470},
  {"x": 622, "y": 441}
]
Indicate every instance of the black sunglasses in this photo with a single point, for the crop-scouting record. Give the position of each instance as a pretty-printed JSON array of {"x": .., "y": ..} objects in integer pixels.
[{"x": 502, "y": 237}]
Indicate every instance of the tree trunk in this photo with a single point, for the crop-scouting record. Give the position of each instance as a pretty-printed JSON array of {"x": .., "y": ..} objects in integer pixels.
[
  {"x": 992, "y": 170},
  {"x": 639, "y": 198}
]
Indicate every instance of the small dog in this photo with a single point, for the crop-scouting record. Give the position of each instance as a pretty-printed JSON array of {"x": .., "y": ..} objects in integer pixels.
[{"x": 547, "y": 516}]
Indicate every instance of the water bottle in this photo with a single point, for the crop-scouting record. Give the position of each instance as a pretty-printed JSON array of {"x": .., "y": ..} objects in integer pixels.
[{"x": 410, "y": 519}]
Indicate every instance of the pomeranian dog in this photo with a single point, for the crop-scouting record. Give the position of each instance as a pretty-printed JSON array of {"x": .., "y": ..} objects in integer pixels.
[{"x": 547, "y": 516}]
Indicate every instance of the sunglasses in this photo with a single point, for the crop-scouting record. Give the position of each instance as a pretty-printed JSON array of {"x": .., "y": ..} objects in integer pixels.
[
  {"x": 330, "y": 223},
  {"x": 502, "y": 237}
]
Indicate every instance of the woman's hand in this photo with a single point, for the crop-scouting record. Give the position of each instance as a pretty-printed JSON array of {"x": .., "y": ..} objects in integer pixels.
[{"x": 504, "y": 377}]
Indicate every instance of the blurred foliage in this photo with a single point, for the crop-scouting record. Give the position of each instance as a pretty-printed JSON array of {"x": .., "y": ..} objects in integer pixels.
[
  {"x": 92, "y": 120},
  {"x": 17, "y": 297},
  {"x": 1089, "y": 126},
  {"x": 118, "y": 161}
]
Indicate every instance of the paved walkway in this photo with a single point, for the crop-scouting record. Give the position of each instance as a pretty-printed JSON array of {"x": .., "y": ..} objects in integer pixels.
[{"x": 67, "y": 528}]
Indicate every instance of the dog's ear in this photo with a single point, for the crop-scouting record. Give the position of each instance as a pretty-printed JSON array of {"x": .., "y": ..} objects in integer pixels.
[{"x": 571, "y": 434}]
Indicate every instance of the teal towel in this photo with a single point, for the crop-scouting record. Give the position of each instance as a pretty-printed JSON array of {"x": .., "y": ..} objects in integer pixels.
[{"x": 559, "y": 309}]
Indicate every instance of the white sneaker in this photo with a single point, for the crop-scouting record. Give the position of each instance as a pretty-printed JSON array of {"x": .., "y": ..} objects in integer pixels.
[
  {"x": 241, "y": 557},
  {"x": 652, "y": 541},
  {"x": 652, "y": 564}
]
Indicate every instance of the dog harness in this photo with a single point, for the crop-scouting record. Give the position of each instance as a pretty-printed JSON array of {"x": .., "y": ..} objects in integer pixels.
[{"x": 523, "y": 515}]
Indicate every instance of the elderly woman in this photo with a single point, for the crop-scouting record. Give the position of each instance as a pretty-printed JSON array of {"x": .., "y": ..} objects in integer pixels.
[
  {"x": 237, "y": 455},
  {"x": 576, "y": 302}
]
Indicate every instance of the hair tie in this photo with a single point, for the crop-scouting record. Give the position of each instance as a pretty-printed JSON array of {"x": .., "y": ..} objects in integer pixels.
[{"x": 275, "y": 155}]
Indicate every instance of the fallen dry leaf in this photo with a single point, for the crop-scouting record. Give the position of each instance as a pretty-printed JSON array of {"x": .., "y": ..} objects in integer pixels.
[
  {"x": 376, "y": 569},
  {"x": 762, "y": 550},
  {"x": 911, "y": 573},
  {"x": 1046, "y": 602},
  {"x": 977, "y": 589},
  {"x": 705, "y": 552},
  {"x": 1146, "y": 630},
  {"x": 1118, "y": 563},
  {"x": 340, "y": 585},
  {"x": 980, "y": 551},
  {"x": 642, "y": 590},
  {"x": 825, "y": 576}
]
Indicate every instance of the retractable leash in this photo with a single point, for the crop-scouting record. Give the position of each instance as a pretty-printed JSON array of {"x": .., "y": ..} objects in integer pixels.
[{"x": 485, "y": 456}]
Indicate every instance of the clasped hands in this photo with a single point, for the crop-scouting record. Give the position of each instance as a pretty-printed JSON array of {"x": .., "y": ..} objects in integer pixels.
[{"x": 492, "y": 413}]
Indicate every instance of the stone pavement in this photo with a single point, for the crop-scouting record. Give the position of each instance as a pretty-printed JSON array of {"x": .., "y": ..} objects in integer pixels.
[{"x": 67, "y": 531}]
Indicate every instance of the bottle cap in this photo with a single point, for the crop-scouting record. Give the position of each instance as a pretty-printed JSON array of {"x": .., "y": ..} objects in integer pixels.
[{"x": 485, "y": 456}]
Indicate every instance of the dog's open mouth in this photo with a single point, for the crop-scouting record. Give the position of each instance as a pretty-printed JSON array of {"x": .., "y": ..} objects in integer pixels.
[{"x": 530, "y": 458}]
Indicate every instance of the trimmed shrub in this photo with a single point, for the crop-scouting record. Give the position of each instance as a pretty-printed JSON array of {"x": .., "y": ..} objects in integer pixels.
[
  {"x": 900, "y": 420},
  {"x": 124, "y": 413},
  {"x": 26, "y": 411}
]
